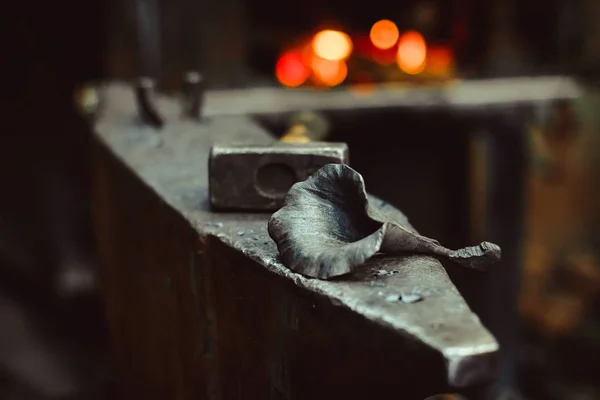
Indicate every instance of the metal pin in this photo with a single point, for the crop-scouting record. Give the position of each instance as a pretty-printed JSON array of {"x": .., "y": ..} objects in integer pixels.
[
  {"x": 148, "y": 60},
  {"x": 146, "y": 107},
  {"x": 193, "y": 95},
  {"x": 190, "y": 38}
]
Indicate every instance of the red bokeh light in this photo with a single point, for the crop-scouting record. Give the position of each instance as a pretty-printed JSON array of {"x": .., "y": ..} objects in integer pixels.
[
  {"x": 412, "y": 52},
  {"x": 291, "y": 69}
]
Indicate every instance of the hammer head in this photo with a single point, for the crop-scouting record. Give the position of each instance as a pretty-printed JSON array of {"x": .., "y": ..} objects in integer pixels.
[{"x": 257, "y": 177}]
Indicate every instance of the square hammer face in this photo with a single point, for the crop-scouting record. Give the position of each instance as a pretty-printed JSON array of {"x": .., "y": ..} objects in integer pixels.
[{"x": 257, "y": 177}]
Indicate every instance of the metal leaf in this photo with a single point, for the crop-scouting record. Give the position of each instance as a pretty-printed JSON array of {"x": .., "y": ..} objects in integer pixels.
[{"x": 327, "y": 228}]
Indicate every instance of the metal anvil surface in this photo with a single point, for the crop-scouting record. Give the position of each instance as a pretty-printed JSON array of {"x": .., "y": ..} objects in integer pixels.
[{"x": 200, "y": 307}]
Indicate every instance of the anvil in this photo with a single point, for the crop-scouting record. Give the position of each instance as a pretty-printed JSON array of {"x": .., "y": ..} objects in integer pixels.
[{"x": 200, "y": 306}]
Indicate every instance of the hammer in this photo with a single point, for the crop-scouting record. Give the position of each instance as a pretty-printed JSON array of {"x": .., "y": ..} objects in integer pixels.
[{"x": 257, "y": 177}]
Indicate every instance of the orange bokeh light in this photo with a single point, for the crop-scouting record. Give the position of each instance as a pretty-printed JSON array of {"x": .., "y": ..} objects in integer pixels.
[
  {"x": 412, "y": 53},
  {"x": 332, "y": 45},
  {"x": 329, "y": 72},
  {"x": 439, "y": 60},
  {"x": 384, "y": 34},
  {"x": 291, "y": 69}
]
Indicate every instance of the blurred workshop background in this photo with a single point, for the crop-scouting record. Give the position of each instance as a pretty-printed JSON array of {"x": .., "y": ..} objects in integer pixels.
[{"x": 435, "y": 166}]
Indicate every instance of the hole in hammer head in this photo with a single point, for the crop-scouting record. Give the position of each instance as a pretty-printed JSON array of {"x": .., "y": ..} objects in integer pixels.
[{"x": 275, "y": 180}]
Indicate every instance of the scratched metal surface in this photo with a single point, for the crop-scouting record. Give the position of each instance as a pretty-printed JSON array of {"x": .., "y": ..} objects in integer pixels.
[{"x": 174, "y": 164}]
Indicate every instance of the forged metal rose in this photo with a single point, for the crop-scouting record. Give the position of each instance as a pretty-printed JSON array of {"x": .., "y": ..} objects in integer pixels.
[{"x": 327, "y": 228}]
